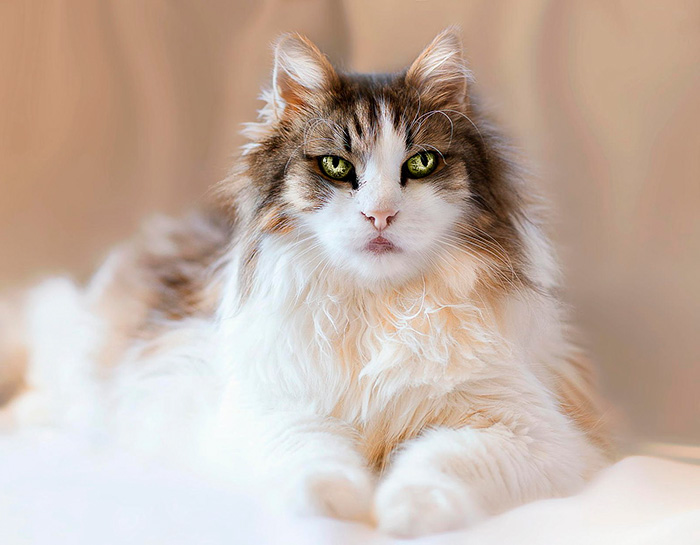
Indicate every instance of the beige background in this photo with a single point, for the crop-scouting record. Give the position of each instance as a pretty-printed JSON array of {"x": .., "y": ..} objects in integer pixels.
[{"x": 113, "y": 109}]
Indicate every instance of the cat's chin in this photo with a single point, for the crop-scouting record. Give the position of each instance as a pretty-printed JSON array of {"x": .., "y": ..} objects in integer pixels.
[{"x": 381, "y": 267}]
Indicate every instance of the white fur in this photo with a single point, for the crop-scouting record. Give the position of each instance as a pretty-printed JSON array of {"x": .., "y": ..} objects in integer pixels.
[
  {"x": 162, "y": 398},
  {"x": 335, "y": 355},
  {"x": 62, "y": 335},
  {"x": 345, "y": 363},
  {"x": 310, "y": 371},
  {"x": 320, "y": 366}
]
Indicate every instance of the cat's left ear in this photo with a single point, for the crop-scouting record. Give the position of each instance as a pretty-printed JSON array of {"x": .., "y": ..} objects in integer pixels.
[
  {"x": 301, "y": 74},
  {"x": 440, "y": 71}
]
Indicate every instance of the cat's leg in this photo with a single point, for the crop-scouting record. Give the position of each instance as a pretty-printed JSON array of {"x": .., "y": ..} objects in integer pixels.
[
  {"x": 450, "y": 478},
  {"x": 312, "y": 464},
  {"x": 318, "y": 468}
]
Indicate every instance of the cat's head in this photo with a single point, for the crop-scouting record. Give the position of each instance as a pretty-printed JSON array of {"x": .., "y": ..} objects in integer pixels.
[{"x": 382, "y": 177}]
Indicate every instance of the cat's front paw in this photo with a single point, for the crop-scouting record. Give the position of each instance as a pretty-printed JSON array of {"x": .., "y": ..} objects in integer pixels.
[
  {"x": 409, "y": 507},
  {"x": 335, "y": 491}
]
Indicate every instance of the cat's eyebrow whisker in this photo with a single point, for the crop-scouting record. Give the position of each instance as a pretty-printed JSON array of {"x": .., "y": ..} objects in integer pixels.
[
  {"x": 465, "y": 116},
  {"x": 420, "y": 120},
  {"x": 427, "y": 115},
  {"x": 292, "y": 155},
  {"x": 403, "y": 114},
  {"x": 303, "y": 145},
  {"x": 316, "y": 122},
  {"x": 335, "y": 129},
  {"x": 308, "y": 129},
  {"x": 333, "y": 143},
  {"x": 423, "y": 146},
  {"x": 413, "y": 121}
]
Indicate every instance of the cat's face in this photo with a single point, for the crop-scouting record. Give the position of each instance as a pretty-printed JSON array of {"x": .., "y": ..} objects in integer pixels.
[
  {"x": 375, "y": 175},
  {"x": 376, "y": 184}
]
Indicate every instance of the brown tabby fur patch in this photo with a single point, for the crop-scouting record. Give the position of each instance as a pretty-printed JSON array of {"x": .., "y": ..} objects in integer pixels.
[{"x": 166, "y": 274}]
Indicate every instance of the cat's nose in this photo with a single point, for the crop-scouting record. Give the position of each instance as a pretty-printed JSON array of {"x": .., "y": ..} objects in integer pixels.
[{"x": 381, "y": 219}]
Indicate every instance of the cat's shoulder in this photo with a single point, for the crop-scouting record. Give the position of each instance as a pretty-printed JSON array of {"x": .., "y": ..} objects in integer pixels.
[{"x": 164, "y": 274}]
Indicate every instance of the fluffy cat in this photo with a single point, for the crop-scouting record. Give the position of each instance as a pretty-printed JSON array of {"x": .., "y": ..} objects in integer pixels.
[{"x": 368, "y": 314}]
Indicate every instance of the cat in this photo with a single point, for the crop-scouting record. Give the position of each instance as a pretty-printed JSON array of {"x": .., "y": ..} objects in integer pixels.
[{"x": 367, "y": 314}]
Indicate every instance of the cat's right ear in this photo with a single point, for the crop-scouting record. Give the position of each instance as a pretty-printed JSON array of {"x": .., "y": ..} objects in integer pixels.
[{"x": 301, "y": 73}]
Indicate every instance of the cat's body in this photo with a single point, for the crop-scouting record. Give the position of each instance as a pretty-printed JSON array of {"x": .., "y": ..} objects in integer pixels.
[{"x": 375, "y": 344}]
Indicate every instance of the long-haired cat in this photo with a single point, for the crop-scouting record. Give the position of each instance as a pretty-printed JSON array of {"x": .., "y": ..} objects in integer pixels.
[{"x": 368, "y": 315}]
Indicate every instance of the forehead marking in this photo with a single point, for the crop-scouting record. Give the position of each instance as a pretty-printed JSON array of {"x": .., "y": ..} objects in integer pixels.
[
  {"x": 386, "y": 156},
  {"x": 358, "y": 125},
  {"x": 409, "y": 136},
  {"x": 347, "y": 142},
  {"x": 372, "y": 111},
  {"x": 391, "y": 144}
]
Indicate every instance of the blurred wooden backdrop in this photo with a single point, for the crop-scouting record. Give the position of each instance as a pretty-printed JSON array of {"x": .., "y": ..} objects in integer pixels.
[{"x": 113, "y": 109}]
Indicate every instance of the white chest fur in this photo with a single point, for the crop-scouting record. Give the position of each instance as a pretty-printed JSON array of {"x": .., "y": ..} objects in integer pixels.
[{"x": 388, "y": 362}]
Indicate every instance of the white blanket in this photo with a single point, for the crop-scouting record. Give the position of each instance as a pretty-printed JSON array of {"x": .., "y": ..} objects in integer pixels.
[{"x": 58, "y": 490}]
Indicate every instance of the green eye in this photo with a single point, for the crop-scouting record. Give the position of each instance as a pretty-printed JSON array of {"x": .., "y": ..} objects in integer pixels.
[
  {"x": 335, "y": 167},
  {"x": 421, "y": 164}
]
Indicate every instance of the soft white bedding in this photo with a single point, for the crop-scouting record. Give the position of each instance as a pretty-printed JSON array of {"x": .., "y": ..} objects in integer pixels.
[{"x": 57, "y": 490}]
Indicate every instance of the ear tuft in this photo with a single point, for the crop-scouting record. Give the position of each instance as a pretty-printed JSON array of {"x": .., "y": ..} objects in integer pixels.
[
  {"x": 301, "y": 71},
  {"x": 440, "y": 71}
]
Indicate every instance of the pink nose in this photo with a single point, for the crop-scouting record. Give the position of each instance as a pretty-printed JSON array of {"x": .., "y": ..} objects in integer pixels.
[{"x": 381, "y": 219}]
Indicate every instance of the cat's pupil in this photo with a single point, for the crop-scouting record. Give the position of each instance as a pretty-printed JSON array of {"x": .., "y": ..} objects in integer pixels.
[
  {"x": 424, "y": 159},
  {"x": 336, "y": 162}
]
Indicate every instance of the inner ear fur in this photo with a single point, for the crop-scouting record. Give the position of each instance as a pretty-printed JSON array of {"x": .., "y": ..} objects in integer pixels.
[
  {"x": 440, "y": 71},
  {"x": 301, "y": 72}
]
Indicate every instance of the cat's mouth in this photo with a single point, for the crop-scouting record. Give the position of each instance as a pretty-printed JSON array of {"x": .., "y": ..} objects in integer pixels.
[{"x": 380, "y": 245}]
